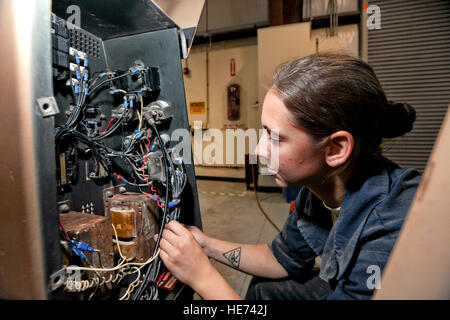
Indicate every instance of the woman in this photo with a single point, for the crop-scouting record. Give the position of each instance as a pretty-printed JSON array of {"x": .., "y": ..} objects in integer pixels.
[{"x": 325, "y": 115}]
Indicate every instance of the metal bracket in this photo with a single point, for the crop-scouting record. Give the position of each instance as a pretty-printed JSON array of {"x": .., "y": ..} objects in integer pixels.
[
  {"x": 57, "y": 279},
  {"x": 48, "y": 106},
  {"x": 183, "y": 44}
]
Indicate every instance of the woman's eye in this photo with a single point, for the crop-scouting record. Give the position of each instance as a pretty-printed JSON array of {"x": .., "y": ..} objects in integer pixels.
[{"x": 274, "y": 140}]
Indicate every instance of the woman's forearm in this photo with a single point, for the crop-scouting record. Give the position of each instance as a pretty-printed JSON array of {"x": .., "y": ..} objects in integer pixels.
[
  {"x": 213, "y": 286},
  {"x": 254, "y": 259}
]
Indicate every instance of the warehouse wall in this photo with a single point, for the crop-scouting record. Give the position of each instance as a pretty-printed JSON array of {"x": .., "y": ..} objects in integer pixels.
[{"x": 255, "y": 61}]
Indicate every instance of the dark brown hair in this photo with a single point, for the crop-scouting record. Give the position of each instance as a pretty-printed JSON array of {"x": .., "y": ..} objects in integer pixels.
[{"x": 331, "y": 92}]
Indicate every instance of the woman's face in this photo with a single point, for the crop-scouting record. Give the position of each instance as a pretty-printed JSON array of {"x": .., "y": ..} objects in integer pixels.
[{"x": 293, "y": 156}]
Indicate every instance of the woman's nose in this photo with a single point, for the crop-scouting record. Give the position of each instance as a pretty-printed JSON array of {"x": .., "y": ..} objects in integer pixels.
[{"x": 261, "y": 149}]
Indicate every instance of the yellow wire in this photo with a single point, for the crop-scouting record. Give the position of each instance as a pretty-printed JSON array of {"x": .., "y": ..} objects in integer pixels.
[
  {"x": 118, "y": 245},
  {"x": 140, "y": 114},
  {"x": 116, "y": 267}
]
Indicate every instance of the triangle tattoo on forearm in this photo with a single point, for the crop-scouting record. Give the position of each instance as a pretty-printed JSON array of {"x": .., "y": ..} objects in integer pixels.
[{"x": 233, "y": 256}]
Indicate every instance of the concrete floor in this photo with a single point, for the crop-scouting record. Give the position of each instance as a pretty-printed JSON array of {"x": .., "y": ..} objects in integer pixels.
[{"x": 230, "y": 212}]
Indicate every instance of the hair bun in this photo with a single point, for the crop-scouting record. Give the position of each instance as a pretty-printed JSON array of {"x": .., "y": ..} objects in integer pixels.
[{"x": 398, "y": 120}]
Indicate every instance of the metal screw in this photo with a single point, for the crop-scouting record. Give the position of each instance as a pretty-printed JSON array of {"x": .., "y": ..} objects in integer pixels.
[
  {"x": 109, "y": 194},
  {"x": 122, "y": 190},
  {"x": 63, "y": 208}
]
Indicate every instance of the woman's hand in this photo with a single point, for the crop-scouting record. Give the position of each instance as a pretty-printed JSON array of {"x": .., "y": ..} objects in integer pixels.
[
  {"x": 183, "y": 255},
  {"x": 198, "y": 235}
]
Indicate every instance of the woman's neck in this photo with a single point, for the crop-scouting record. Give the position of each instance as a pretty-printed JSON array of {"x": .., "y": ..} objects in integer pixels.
[{"x": 333, "y": 190}]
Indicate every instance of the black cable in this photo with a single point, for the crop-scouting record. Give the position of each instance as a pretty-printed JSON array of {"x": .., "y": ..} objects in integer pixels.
[
  {"x": 106, "y": 81},
  {"x": 259, "y": 204},
  {"x": 141, "y": 289}
]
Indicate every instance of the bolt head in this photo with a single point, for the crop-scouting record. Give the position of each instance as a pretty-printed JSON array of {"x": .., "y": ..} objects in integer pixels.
[{"x": 64, "y": 208}]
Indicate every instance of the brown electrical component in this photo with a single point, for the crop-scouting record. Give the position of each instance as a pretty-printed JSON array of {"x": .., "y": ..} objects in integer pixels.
[
  {"x": 135, "y": 218},
  {"x": 97, "y": 232}
]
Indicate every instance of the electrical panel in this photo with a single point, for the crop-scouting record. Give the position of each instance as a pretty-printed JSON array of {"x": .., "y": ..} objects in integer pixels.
[{"x": 111, "y": 174}]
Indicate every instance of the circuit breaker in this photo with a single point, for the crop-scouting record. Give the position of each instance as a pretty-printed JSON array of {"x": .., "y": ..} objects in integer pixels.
[{"x": 107, "y": 98}]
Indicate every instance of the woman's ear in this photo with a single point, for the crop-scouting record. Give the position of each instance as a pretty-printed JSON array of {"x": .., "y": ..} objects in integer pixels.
[{"x": 339, "y": 148}]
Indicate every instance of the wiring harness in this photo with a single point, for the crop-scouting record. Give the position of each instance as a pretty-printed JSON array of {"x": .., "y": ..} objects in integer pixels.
[{"x": 136, "y": 150}]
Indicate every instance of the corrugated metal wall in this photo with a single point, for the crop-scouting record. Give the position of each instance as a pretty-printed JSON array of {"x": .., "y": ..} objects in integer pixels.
[{"x": 411, "y": 56}]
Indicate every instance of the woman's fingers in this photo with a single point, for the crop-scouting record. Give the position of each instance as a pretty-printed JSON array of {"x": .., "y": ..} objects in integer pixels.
[{"x": 177, "y": 228}]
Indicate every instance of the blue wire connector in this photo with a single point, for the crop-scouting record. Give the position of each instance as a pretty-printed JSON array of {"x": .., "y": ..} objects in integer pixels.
[
  {"x": 77, "y": 60},
  {"x": 79, "y": 247},
  {"x": 78, "y": 252},
  {"x": 86, "y": 91},
  {"x": 173, "y": 204},
  {"x": 125, "y": 104},
  {"x": 135, "y": 70},
  {"x": 86, "y": 62},
  {"x": 86, "y": 76},
  {"x": 131, "y": 104},
  {"x": 83, "y": 246},
  {"x": 78, "y": 75},
  {"x": 77, "y": 89},
  {"x": 138, "y": 134}
]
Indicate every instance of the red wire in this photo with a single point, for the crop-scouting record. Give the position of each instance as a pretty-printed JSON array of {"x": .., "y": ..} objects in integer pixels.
[
  {"x": 107, "y": 127},
  {"x": 143, "y": 174},
  {"x": 160, "y": 278},
  {"x": 60, "y": 223},
  {"x": 109, "y": 123}
]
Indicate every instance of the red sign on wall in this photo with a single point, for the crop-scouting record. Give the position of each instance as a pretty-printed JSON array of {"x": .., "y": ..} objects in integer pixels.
[{"x": 232, "y": 67}]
